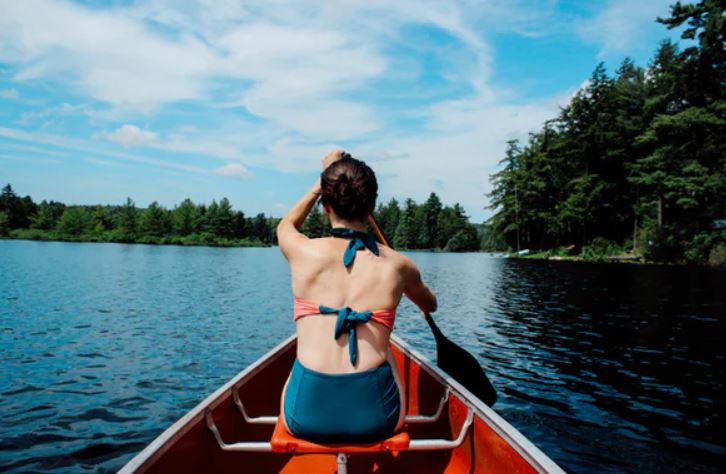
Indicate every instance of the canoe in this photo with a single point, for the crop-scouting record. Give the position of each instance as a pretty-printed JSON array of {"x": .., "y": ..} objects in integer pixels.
[{"x": 447, "y": 430}]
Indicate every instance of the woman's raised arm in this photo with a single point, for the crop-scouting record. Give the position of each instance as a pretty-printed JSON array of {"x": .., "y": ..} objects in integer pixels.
[{"x": 289, "y": 236}]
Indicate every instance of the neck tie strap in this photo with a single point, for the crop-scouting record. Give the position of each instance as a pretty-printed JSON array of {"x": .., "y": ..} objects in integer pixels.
[{"x": 358, "y": 240}]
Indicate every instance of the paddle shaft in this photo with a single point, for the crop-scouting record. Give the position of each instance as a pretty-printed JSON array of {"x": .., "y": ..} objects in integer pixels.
[
  {"x": 384, "y": 240},
  {"x": 454, "y": 360}
]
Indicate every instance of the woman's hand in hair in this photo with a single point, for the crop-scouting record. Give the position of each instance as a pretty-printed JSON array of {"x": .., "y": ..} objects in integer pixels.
[{"x": 332, "y": 157}]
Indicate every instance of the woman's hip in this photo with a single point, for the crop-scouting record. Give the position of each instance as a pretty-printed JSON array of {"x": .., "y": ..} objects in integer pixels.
[{"x": 353, "y": 407}]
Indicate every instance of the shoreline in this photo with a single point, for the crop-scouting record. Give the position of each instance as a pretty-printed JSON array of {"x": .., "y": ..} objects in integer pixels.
[
  {"x": 625, "y": 258},
  {"x": 630, "y": 259},
  {"x": 225, "y": 244},
  {"x": 179, "y": 242}
]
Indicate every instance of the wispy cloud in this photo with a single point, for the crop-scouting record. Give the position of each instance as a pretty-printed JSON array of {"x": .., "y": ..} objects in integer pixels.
[
  {"x": 622, "y": 24},
  {"x": 31, "y": 159},
  {"x": 129, "y": 135},
  {"x": 11, "y": 94},
  {"x": 68, "y": 145},
  {"x": 233, "y": 170}
]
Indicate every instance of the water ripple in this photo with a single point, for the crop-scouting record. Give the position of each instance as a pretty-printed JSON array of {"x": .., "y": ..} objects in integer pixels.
[{"x": 607, "y": 368}]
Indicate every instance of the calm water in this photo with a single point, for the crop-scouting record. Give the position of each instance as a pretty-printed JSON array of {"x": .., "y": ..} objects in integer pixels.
[{"x": 607, "y": 368}]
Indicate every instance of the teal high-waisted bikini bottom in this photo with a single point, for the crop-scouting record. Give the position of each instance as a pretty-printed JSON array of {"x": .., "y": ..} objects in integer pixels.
[{"x": 358, "y": 407}]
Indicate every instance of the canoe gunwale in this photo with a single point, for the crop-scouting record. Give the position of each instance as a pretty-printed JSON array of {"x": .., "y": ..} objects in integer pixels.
[
  {"x": 531, "y": 453},
  {"x": 166, "y": 439}
]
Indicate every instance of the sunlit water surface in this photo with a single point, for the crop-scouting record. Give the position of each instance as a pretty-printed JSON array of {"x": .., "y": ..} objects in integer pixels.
[{"x": 607, "y": 368}]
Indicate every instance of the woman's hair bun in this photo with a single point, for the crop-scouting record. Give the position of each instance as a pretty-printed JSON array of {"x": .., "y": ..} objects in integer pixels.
[{"x": 349, "y": 186}]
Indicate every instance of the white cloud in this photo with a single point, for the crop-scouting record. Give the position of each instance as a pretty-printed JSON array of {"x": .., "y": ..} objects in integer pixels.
[
  {"x": 129, "y": 135},
  {"x": 292, "y": 63},
  {"x": 114, "y": 58},
  {"x": 304, "y": 70},
  {"x": 31, "y": 159},
  {"x": 466, "y": 141},
  {"x": 11, "y": 94},
  {"x": 96, "y": 161},
  {"x": 233, "y": 170},
  {"x": 71, "y": 146},
  {"x": 622, "y": 25}
]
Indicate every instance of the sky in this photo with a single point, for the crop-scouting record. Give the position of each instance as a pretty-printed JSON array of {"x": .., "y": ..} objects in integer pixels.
[{"x": 160, "y": 100}]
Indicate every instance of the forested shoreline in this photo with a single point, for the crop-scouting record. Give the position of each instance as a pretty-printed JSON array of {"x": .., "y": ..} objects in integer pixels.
[
  {"x": 636, "y": 162},
  {"x": 187, "y": 224},
  {"x": 427, "y": 226}
]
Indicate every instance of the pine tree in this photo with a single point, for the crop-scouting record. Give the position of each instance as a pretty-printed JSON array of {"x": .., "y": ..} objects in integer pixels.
[
  {"x": 19, "y": 211},
  {"x": 184, "y": 218},
  {"x": 127, "y": 221},
  {"x": 75, "y": 221},
  {"x": 155, "y": 221},
  {"x": 428, "y": 222},
  {"x": 315, "y": 224},
  {"x": 406, "y": 234},
  {"x": 240, "y": 225},
  {"x": 223, "y": 223},
  {"x": 260, "y": 229},
  {"x": 388, "y": 216},
  {"x": 4, "y": 223},
  {"x": 48, "y": 215}
]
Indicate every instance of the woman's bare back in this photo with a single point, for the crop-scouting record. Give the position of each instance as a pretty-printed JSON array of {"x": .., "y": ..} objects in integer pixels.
[{"x": 370, "y": 283}]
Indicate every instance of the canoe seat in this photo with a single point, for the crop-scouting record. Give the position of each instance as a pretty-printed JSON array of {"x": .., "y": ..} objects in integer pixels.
[{"x": 283, "y": 441}]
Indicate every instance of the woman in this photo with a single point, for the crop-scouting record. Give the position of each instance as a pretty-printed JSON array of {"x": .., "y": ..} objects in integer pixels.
[{"x": 344, "y": 385}]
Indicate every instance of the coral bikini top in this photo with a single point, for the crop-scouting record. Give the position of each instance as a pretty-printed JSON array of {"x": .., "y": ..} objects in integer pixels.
[{"x": 347, "y": 317}]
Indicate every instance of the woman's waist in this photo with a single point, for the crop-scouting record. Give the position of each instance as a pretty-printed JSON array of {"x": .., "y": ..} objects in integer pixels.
[
  {"x": 383, "y": 367},
  {"x": 318, "y": 351}
]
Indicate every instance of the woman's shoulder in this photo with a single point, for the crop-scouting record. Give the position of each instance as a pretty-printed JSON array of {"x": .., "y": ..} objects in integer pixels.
[{"x": 395, "y": 257}]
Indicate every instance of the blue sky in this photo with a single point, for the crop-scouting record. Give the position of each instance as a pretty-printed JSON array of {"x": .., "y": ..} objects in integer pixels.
[{"x": 161, "y": 100}]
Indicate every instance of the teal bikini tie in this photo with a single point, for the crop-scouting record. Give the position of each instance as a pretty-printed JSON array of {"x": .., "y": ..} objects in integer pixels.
[
  {"x": 347, "y": 321},
  {"x": 358, "y": 241}
]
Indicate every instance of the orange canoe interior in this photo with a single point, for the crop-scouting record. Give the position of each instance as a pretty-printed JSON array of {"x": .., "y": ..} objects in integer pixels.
[{"x": 483, "y": 450}]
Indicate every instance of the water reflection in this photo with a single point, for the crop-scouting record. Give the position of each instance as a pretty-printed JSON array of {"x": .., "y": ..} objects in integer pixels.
[{"x": 625, "y": 363}]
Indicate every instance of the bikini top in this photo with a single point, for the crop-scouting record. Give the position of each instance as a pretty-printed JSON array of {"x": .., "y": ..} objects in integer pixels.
[{"x": 347, "y": 317}]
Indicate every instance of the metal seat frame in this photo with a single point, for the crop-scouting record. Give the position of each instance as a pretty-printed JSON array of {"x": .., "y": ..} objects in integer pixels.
[{"x": 342, "y": 457}]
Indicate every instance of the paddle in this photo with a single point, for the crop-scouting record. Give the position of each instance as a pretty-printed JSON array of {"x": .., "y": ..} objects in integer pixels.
[{"x": 452, "y": 359}]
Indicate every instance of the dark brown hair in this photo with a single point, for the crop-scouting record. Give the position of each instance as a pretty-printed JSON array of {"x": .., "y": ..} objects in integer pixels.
[{"x": 349, "y": 186}]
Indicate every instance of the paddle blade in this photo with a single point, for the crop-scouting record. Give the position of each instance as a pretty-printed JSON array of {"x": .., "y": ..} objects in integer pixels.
[{"x": 462, "y": 366}]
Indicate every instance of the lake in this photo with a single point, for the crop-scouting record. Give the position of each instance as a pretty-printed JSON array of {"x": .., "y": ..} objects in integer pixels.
[{"x": 605, "y": 367}]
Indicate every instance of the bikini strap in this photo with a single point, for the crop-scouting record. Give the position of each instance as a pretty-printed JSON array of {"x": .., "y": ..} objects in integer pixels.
[
  {"x": 346, "y": 322},
  {"x": 358, "y": 240}
]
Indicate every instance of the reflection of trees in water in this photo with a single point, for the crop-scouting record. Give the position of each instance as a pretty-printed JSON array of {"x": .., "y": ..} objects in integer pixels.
[{"x": 599, "y": 341}]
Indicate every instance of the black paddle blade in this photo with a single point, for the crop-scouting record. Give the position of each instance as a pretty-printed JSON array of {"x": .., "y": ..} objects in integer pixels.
[{"x": 462, "y": 366}]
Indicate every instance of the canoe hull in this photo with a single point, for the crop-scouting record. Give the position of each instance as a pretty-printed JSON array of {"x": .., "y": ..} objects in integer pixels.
[{"x": 491, "y": 445}]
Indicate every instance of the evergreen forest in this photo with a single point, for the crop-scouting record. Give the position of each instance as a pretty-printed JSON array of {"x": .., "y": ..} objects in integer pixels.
[
  {"x": 427, "y": 226},
  {"x": 635, "y": 162}
]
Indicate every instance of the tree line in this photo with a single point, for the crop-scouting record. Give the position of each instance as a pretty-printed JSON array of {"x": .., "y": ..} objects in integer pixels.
[
  {"x": 427, "y": 226},
  {"x": 186, "y": 224},
  {"x": 636, "y": 161},
  {"x": 430, "y": 225}
]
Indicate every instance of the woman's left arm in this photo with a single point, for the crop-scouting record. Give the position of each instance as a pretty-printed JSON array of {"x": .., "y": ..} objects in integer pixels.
[{"x": 288, "y": 233}]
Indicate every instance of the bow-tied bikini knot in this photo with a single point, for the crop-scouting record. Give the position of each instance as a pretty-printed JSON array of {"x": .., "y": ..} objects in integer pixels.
[{"x": 346, "y": 322}]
